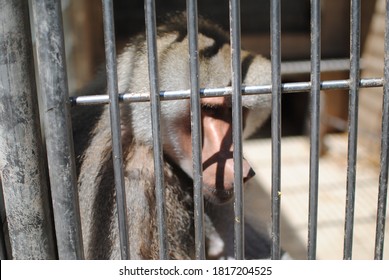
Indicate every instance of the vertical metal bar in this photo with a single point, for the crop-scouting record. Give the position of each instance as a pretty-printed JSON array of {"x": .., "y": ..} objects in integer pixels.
[
  {"x": 3, "y": 248},
  {"x": 112, "y": 88},
  {"x": 196, "y": 129},
  {"x": 237, "y": 127},
  {"x": 275, "y": 28},
  {"x": 22, "y": 161},
  {"x": 151, "y": 35},
  {"x": 383, "y": 180},
  {"x": 353, "y": 125},
  {"x": 59, "y": 140},
  {"x": 315, "y": 127},
  {"x": 3, "y": 251}
]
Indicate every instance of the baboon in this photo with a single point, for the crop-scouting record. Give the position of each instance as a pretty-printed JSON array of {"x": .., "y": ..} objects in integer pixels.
[{"x": 92, "y": 137}]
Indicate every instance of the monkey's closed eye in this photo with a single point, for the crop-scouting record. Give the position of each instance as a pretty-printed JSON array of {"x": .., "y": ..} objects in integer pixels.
[{"x": 214, "y": 110}]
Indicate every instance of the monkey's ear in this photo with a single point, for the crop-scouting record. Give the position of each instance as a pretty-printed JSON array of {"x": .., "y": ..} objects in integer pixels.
[{"x": 255, "y": 119}]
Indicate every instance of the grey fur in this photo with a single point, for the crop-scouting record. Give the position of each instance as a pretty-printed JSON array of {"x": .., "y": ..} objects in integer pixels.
[{"x": 93, "y": 146}]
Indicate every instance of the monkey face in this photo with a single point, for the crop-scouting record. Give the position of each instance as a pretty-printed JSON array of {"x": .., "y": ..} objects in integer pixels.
[
  {"x": 217, "y": 151},
  {"x": 214, "y": 71}
]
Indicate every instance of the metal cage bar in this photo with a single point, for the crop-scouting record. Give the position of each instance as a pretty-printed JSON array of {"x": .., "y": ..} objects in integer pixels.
[
  {"x": 21, "y": 141},
  {"x": 237, "y": 128},
  {"x": 151, "y": 34},
  {"x": 112, "y": 88},
  {"x": 23, "y": 170},
  {"x": 353, "y": 124},
  {"x": 315, "y": 127},
  {"x": 296, "y": 87},
  {"x": 59, "y": 139},
  {"x": 3, "y": 238},
  {"x": 383, "y": 179},
  {"x": 275, "y": 29},
  {"x": 195, "y": 106}
]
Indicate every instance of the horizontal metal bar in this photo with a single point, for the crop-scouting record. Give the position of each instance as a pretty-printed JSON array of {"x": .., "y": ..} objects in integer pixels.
[{"x": 225, "y": 91}]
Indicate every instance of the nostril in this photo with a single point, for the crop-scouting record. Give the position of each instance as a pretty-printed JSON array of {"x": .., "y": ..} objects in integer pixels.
[{"x": 249, "y": 175}]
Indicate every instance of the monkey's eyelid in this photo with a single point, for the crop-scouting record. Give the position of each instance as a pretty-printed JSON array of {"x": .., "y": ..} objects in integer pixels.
[
  {"x": 218, "y": 106},
  {"x": 210, "y": 106}
]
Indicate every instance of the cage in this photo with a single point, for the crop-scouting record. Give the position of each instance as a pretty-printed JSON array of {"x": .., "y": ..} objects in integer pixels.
[{"x": 322, "y": 169}]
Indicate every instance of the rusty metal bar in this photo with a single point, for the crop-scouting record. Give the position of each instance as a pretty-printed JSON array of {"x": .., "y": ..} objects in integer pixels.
[
  {"x": 22, "y": 160},
  {"x": 51, "y": 64}
]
